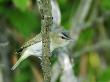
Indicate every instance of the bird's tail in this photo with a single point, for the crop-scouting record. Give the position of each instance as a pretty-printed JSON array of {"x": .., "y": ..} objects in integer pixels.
[{"x": 17, "y": 63}]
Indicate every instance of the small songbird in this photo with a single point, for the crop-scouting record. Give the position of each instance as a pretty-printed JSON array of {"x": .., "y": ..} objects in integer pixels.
[{"x": 33, "y": 47}]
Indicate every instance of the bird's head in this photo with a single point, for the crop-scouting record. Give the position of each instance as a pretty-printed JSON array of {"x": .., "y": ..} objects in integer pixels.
[{"x": 60, "y": 39}]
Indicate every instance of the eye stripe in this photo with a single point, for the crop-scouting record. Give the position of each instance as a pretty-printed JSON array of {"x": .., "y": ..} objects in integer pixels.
[{"x": 66, "y": 35}]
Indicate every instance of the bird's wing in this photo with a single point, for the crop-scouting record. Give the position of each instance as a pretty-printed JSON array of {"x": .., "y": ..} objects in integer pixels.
[{"x": 32, "y": 41}]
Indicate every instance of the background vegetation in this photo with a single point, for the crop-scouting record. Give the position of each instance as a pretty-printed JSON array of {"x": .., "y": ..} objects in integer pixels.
[{"x": 20, "y": 20}]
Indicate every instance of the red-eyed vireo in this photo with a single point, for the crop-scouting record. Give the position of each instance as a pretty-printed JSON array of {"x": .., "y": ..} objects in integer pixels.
[{"x": 33, "y": 47}]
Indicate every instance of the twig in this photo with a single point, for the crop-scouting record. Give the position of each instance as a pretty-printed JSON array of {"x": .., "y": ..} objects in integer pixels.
[
  {"x": 64, "y": 68},
  {"x": 99, "y": 45},
  {"x": 80, "y": 15},
  {"x": 4, "y": 43},
  {"x": 67, "y": 71},
  {"x": 46, "y": 21},
  {"x": 56, "y": 12},
  {"x": 5, "y": 49},
  {"x": 37, "y": 74},
  {"x": 78, "y": 21}
]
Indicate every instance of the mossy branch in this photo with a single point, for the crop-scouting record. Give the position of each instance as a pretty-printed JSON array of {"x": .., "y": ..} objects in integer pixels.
[{"x": 46, "y": 21}]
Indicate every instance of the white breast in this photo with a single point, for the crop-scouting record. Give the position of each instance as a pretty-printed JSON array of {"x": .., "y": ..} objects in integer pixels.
[{"x": 36, "y": 49}]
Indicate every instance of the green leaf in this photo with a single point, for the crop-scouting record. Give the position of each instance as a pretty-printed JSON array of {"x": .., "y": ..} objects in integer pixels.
[
  {"x": 24, "y": 22},
  {"x": 25, "y": 72},
  {"x": 1, "y": 1},
  {"x": 21, "y": 4},
  {"x": 85, "y": 38},
  {"x": 105, "y": 4},
  {"x": 105, "y": 76}
]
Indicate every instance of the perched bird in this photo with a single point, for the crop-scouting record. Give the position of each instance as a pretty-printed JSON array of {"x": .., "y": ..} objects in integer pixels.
[{"x": 33, "y": 47}]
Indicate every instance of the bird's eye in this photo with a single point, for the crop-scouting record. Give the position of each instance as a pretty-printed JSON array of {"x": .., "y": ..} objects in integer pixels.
[{"x": 63, "y": 37}]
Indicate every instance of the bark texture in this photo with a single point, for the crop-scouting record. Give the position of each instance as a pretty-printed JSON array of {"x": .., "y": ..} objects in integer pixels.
[{"x": 46, "y": 22}]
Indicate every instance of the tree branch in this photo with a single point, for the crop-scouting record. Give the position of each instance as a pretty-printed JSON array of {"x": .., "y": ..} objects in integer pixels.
[
  {"x": 100, "y": 45},
  {"x": 80, "y": 16},
  {"x": 46, "y": 21},
  {"x": 5, "y": 49}
]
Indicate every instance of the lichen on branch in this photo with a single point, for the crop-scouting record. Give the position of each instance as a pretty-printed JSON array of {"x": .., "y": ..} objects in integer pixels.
[{"x": 46, "y": 22}]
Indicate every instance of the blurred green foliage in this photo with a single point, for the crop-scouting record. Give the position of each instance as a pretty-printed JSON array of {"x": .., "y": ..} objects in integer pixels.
[
  {"x": 25, "y": 19},
  {"x": 104, "y": 76},
  {"x": 25, "y": 72},
  {"x": 21, "y": 4},
  {"x": 87, "y": 35},
  {"x": 24, "y": 22},
  {"x": 105, "y": 4}
]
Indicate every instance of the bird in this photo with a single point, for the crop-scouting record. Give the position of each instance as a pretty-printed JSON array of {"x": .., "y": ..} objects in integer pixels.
[{"x": 33, "y": 47}]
